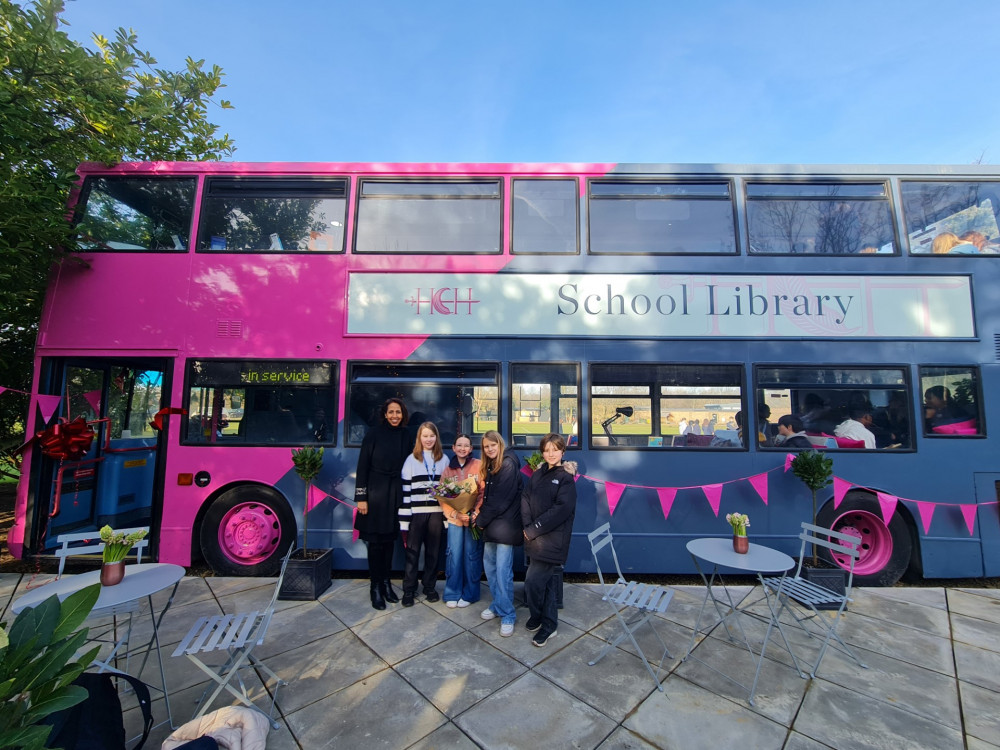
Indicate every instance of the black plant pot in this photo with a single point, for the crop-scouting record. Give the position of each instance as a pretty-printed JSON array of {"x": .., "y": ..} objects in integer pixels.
[
  {"x": 833, "y": 579},
  {"x": 307, "y": 577}
]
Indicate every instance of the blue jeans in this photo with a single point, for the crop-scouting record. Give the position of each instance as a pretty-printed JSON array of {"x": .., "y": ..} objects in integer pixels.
[
  {"x": 463, "y": 565},
  {"x": 498, "y": 559}
]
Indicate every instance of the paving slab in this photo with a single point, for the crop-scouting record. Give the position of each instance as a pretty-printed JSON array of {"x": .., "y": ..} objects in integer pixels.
[
  {"x": 623, "y": 739},
  {"x": 406, "y": 633},
  {"x": 927, "y": 597},
  {"x": 975, "y": 632},
  {"x": 978, "y": 666},
  {"x": 923, "y": 649},
  {"x": 847, "y": 720},
  {"x": 931, "y": 620},
  {"x": 974, "y": 605},
  {"x": 980, "y": 707}
]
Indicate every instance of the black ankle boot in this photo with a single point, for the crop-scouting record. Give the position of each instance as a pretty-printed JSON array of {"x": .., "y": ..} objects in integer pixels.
[
  {"x": 377, "y": 601},
  {"x": 387, "y": 593}
]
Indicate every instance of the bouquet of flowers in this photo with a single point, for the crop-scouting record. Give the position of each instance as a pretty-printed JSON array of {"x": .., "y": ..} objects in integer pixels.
[
  {"x": 117, "y": 543},
  {"x": 459, "y": 494},
  {"x": 739, "y": 522}
]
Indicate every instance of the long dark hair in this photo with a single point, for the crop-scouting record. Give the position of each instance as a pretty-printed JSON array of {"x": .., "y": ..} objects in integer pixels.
[{"x": 385, "y": 408}]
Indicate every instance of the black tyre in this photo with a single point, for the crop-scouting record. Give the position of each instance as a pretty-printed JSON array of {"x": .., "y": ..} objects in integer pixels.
[
  {"x": 247, "y": 531},
  {"x": 885, "y": 549}
]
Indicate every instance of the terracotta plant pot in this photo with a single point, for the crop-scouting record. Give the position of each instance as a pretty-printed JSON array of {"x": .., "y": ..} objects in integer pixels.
[
  {"x": 112, "y": 573},
  {"x": 741, "y": 544}
]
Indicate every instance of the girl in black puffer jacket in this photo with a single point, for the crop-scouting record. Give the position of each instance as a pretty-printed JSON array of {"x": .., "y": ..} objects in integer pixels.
[
  {"x": 499, "y": 516},
  {"x": 548, "y": 507}
]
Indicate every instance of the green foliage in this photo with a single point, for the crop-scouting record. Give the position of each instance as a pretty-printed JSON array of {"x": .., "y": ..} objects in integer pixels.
[
  {"x": 308, "y": 461},
  {"x": 62, "y": 104},
  {"x": 117, "y": 543},
  {"x": 535, "y": 460},
  {"x": 37, "y": 666},
  {"x": 815, "y": 469}
]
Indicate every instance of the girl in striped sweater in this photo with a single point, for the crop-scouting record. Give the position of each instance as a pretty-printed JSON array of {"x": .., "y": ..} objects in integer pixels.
[{"x": 420, "y": 517}]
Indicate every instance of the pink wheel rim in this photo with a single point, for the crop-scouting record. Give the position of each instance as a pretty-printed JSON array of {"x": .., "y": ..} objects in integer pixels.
[
  {"x": 876, "y": 541},
  {"x": 249, "y": 533}
]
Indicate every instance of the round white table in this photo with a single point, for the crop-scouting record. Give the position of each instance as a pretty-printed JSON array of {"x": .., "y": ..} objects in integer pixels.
[
  {"x": 141, "y": 580},
  {"x": 758, "y": 560}
]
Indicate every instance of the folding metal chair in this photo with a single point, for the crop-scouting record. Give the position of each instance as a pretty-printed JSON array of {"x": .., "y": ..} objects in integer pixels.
[
  {"x": 795, "y": 592},
  {"x": 643, "y": 599},
  {"x": 236, "y": 635}
]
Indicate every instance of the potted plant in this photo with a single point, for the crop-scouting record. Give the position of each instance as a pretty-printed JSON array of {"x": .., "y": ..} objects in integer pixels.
[
  {"x": 37, "y": 665},
  {"x": 309, "y": 571},
  {"x": 117, "y": 545},
  {"x": 739, "y": 522},
  {"x": 815, "y": 470}
]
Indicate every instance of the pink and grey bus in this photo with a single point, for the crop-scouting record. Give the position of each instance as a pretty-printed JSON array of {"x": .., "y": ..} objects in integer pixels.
[{"x": 661, "y": 317}]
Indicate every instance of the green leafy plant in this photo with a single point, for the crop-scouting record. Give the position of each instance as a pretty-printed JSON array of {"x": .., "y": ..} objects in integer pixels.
[
  {"x": 308, "y": 461},
  {"x": 815, "y": 469},
  {"x": 37, "y": 666},
  {"x": 739, "y": 522},
  {"x": 117, "y": 543},
  {"x": 535, "y": 460}
]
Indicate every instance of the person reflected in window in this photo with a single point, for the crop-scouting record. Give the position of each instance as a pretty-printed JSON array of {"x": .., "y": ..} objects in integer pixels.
[
  {"x": 379, "y": 494},
  {"x": 855, "y": 427},
  {"x": 981, "y": 242},
  {"x": 791, "y": 433}
]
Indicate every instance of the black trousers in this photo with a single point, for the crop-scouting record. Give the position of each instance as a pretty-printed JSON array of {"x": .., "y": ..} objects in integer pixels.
[
  {"x": 541, "y": 592},
  {"x": 426, "y": 530},
  {"x": 380, "y": 558}
]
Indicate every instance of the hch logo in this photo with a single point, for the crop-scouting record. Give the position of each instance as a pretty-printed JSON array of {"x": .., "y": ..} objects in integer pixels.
[{"x": 447, "y": 301}]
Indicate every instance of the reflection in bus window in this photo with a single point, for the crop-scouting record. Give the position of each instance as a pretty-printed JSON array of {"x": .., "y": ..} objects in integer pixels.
[
  {"x": 951, "y": 401},
  {"x": 428, "y": 217},
  {"x": 695, "y": 405},
  {"x": 823, "y": 218},
  {"x": 545, "y": 216},
  {"x": 544, "y": 398},
  {"x": 661, "y": 218},
  {"x": 273, "y": 215},
  {"x": 840, "y": 407},
  {"x": 456, "y": 397},
  {"x": 258, "y": 402},
  {"x": 952, "y": 218},
  {"x": 135, "y": 213}
]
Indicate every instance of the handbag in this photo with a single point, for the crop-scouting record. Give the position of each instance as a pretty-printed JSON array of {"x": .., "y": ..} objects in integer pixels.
[{"x": 96, "y": 723}]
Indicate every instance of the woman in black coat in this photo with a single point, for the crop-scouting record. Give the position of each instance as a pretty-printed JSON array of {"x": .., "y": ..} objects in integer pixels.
[
  {"x": 548, "y": 507},
  {"x": 499, "y": 515},
  {"x": 379, "y": 494}
]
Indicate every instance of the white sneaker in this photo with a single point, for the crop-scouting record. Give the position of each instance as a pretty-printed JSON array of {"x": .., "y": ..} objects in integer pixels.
[
  {"x": 460, "y": 603},
  {"x": 507, "y": 629},
  {"x": 452, "y": 605},
  {"x": 487, "y": 614}
]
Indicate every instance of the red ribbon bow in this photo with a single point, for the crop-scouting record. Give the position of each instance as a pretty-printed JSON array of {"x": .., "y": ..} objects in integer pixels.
[{"x": 66, "y": 440}]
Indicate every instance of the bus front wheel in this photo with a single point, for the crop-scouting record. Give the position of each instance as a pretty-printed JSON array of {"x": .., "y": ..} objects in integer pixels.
[
  {"x": 246, "y": 531},
  {"x": 885, "y": 549}
]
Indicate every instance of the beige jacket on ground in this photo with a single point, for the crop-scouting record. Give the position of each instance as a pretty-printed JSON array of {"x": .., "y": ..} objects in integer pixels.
[{"x": 234, "y": 728}]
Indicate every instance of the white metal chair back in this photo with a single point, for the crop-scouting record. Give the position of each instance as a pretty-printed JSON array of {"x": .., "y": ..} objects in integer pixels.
[
  {"x": 236, "y": 635},
  {"x": 95, "y": 546},
  {"x": 797, "y": 591},
  {"x": 643, "y": 599}
]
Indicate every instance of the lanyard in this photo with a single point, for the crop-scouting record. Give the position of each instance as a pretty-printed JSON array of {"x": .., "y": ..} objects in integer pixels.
[{"x": 430, "y": 471}]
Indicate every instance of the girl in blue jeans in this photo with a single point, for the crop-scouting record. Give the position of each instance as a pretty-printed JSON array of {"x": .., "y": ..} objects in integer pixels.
[
  {"x": 499, "y": 516},
  {"x": 464, "y": 556}
]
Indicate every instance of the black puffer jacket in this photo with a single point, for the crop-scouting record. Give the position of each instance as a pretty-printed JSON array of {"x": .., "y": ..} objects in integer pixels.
[
  {"x": 500, "y": 514},
  {"x": 548, "y": 507}
]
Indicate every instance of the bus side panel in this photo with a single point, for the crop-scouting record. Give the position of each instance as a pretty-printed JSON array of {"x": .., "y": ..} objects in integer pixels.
[{"x": 988, "y": 493}]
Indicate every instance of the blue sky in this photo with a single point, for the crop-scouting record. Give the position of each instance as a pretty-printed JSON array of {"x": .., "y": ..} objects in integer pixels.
[{"x": 749, "y": 81}]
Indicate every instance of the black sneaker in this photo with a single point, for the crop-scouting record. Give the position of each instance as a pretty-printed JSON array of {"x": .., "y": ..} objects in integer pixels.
[
  {"x": 407, "y": 600},
  {"x": 533, "y": 624},
  {"x": 432, "y": 596},
  {"x": 542, "y": 637}
]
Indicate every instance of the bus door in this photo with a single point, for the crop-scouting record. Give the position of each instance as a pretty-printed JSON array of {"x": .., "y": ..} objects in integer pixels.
[{"x": 112, "y": 482}]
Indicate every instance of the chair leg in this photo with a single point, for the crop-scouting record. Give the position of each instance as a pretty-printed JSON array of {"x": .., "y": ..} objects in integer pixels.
[{"x": 627, "y": 632}]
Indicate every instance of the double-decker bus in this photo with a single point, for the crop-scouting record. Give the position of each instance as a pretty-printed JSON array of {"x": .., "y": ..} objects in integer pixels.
[{"x": 663, "y": 318}]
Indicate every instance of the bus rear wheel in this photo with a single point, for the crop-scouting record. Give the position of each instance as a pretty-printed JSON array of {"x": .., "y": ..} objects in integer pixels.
[
  {"x": 246, "y": 531},
  {"x": 885, "y": 549}
]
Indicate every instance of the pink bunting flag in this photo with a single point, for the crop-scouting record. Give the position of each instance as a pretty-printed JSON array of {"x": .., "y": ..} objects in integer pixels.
[
  {"x": 713, "y": 493},
  {"x": 94, "y": 399},
  {"x": 759, "y": 483},
  {"x": 316, "y": 496},
  {"x": 355, "y": 535},
  {"x": 788, "y": 463},
  {"x": 888, "y": 503},
  {"x": 969, "y": 512},
  {"x": 526, "y": 470},
  {"x": 614, "y": 492},
  {"x": 47, "y": 405},
  {"x": 926, "y": 511},
  {"x": 840, "y": 488},
  {"x": 666, "y": 495}
]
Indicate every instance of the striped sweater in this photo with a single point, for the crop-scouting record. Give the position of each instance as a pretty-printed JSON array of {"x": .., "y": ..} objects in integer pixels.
[{"x": 417, "y": 485}]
